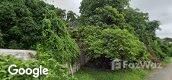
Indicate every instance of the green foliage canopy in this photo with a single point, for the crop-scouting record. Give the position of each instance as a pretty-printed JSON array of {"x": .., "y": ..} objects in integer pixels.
[
  {"x": 33, "y": 24},
  {"x": 21, "y": 22},
  {"x": 113, "y": 43},
  {"x": 118, "y": 14}
]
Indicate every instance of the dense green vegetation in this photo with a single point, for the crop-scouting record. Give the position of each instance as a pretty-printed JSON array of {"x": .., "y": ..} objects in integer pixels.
[
  {"x": 106, "y": 28},
  {"x": 112, "y": 43},
  {"x": 21, "y": 22},
  {"x": 27, "y": 24},
  {"x": 112, "y": 29},
  {"x": 54, "y": 69},
  {"x": 117, "y": 14}
]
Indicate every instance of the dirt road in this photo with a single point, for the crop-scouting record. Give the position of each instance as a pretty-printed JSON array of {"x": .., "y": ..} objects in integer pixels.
[{"x": 162, "y": 74}]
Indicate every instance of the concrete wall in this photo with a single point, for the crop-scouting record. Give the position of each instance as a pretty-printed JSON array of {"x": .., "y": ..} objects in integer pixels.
[
  {"x": 20, "y": 54},
  {"x": 83, "y": 59}
]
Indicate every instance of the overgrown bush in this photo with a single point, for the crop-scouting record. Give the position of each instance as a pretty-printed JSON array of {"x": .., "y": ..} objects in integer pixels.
[
  {"x": 33, "y": 24},
  {"x": 6, "y": 61},
  {"x": 118, "y": 13},
  {"x": 159, "y": 48},
  {"x": 57, "y": 41},
  {"x": 112, "y": 43},
  {"x": 170, "y": 51},
  {"x": 20, "y": 22},
  {"x": 55, "y": 52},
  {"x": 56, "y": 71}
]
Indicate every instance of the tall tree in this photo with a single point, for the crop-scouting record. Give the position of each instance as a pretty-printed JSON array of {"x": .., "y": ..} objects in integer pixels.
[
  {"x": 118, "y": 13},
  {"x": 103, "y": 12},
  {"x": 20, "y": 22}
]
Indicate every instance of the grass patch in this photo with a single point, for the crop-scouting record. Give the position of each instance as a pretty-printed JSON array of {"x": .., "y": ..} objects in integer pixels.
[
  {"x": 167, "y": 60},
  {"x": 92, "y": 74}
]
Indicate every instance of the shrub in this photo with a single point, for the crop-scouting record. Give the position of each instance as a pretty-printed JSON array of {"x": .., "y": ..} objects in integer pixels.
[
  {"x": 20, "y": 21},
  {"x": 33, "y": 24},
  {"x": 56, "y": 71},
  {"x": 112, "y": 43},
  {"x": 53, "y": 52},
  {"x": 57, "y": 41}
]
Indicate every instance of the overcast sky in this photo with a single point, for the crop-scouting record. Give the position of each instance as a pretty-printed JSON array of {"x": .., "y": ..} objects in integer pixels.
[
  {"x": 158, "y": 10},
  {"x": 66, "y": 4}
]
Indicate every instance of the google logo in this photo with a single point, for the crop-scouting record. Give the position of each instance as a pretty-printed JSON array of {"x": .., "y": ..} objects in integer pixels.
[{"x": 36, "y": 72}]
